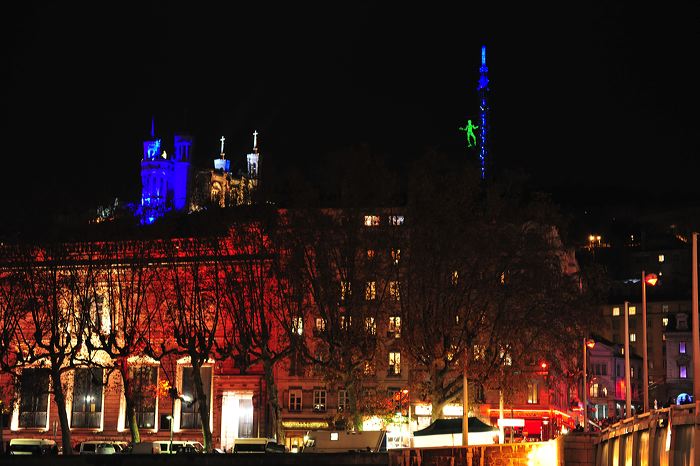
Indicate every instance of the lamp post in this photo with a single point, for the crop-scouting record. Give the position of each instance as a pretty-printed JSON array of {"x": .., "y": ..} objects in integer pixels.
[
  {"x": 588, "y": 343},
  {"x": 465, "y": 402},
  {"x": 628, "y": 388},
  {"x": 175, "y": 396},
  {"x": 651, "y": 280}
]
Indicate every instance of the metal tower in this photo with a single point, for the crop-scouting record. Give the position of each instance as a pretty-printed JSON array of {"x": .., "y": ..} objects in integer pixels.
[{"x": 483, "y": 89}]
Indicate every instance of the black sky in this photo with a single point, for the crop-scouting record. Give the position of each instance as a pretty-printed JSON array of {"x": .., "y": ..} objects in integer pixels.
[{"x": 591, "y": 101}]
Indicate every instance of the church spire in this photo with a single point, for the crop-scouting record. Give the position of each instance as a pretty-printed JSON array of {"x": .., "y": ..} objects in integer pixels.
[{"x": 255, "y": 141}]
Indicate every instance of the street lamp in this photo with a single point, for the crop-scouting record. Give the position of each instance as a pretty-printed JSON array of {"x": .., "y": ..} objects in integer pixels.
[
  {"x": 650, "y": 280},
  {"x": 588, "y": 343},
  {"x": 175, "y": 396}
]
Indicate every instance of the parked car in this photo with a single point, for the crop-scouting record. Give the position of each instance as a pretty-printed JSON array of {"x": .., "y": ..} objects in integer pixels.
[
  {"x": 32, "y": 446},
  {"x": 187, "y": 446},
  {"x": 146, "y": 448},
  {"x": 98, "y": 447},
  {"x": 257, "y": 445}
]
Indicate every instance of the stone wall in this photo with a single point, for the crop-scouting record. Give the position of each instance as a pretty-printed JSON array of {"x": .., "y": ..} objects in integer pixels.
[{"x": 569, "y": 450}]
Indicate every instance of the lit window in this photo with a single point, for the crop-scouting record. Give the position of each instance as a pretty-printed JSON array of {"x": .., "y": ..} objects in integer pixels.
[
  {"x": 394, "y": 363},
  {"x": 295, "y": 400},
  {"x": 320, "y": 324},
  {"x": 394, "y": 290},
  {"x": 345, "y": 323},
  {"x": 632, "y": 372},
  {"x": 503, "y": 278},
  {"x": 395, "y": 326},
  {"x": 369, "y": 368},
  {"x": 344, "y": 290},
  {"x": 298, "y": 325},
  {"x": 455, "y": 277},
  {"x": 396, "y": 255},
  {"x": 371, "y": 220},
  {"x": 616, "y": 311},
  {"x": 506, "y": 358},
  {"x": 396, "y": 220},
  {"x": 664, "y": 307},
  {"x": 664, "y": 320},
  {"x": 661, "y": 258},
  {"x": 532, "y": 393},
  {"x": 632, "y": 310},
  {"x": 371, "y": 291},
  {"x": 683, "y": 370},
  {"x": 370, "y": 325},
  {"x": 681, "y": 347},
  {"x": 342, "y": 400},
  {"x": 479, "y": 352},
  {"x": 633, "y": 337},
  {"x": 319, "y": 400},
  {"x": 594, "y": 390},
  {"x": 87, "y": 398},
  {"x": 370, "y": 254}
]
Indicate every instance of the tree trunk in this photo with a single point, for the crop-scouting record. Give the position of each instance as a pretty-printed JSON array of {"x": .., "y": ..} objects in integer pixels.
[
  {"x": 355, "y": 417},
  {"x": 2, "y": 428},
  {"x": 130, "y": 409},
  {"x": 273, "y": 401},
  {"x": 203, "y": 406},
  {"x": 60, "y": 399},
  {"x": 437, "y": 404}
]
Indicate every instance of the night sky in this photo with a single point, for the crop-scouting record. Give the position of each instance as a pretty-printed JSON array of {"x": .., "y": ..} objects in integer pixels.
[{"x": 594, "y": 103}]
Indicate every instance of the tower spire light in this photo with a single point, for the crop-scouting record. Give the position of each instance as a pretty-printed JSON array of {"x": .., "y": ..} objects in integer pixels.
[
  {"x": 483, "y": 89},
  {"x": 222, "y": 146},
  {"x": 255, "y": 139}
]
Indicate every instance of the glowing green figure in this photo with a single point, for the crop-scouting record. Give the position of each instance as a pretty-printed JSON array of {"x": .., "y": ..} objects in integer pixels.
[{"x": 469, "y": 129}]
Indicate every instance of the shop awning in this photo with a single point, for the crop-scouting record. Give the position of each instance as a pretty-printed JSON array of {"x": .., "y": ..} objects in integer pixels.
[{"x": 454, "y": 426}]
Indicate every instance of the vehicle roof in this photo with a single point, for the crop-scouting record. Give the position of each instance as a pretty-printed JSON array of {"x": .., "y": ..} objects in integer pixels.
[
  {"x": 253, "y": 440},
  {"x": 30, "y": 441}
]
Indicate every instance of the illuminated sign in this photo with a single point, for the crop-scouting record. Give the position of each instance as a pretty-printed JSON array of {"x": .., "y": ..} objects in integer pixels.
[
  {"x": 452, "y": 410},
  {"x": 511, "y": 422},
  {"x": 423, "y": 410},
  {"x": 305, "y": 425}
]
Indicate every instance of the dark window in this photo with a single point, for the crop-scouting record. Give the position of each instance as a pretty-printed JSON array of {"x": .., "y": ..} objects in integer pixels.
[
  {"x": 87, "y": 398},
  {"x": 34, "y": 397},
  {"x": 189, "y": 412},
  {"x": 143, "y": 386}
]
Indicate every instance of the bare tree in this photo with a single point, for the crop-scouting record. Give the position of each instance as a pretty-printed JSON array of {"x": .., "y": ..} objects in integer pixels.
[
  {"x": 123, "y": 311},
  {"x": 333, "y": 251},
  {"x": 188, "y": 286},
  {"x": 12, "y": 309},
  {"x": 482, "y": 278},
  {"x": 59, "y": 283},
  {"x": 263, "y": 306}
]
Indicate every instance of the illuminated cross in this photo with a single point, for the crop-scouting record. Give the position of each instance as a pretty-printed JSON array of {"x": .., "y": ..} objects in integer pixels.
[
  {"x": 255, "y": 139},
  {"x": 222, "y": 143}
]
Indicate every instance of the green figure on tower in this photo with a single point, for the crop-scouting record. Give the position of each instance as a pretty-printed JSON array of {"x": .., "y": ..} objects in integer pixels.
[{"x": 469, "y": 129}]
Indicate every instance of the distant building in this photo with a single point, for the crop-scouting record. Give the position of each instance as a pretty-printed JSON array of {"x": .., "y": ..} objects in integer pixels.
[
  {"x": 164, "y": 178},
  {"x": 221, "y": 186},
  {"x": 606, "y": 380},
  {"x": 167, "y": 182}
]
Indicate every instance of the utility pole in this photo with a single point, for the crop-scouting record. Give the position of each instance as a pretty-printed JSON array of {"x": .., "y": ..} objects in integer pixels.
[{"x": 628, "y": 388}]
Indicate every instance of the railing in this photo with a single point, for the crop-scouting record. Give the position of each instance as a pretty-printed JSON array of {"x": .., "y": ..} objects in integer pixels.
[{"x": 662, "y": 437}]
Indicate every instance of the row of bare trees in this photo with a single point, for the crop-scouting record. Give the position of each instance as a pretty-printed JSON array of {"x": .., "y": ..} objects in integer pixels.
[
  {"x": 465, "y": 271},
  {"x": 102, "y": 305}
]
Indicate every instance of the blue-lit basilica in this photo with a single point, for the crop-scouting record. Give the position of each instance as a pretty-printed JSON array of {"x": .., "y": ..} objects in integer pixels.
[{"x": 169, "y": 184}]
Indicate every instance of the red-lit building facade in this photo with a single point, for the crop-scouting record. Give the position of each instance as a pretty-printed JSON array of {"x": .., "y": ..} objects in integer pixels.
[{"x": 236, "y": 391}]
